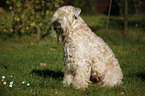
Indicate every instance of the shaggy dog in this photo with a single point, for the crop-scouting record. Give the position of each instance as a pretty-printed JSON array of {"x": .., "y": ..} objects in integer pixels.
[{"x": 86, "y": 56}]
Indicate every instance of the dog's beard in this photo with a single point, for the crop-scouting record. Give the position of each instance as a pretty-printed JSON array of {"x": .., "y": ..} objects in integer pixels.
[
  {"x": 60, "y": 36},
  {"x": 59, "y": 31}
]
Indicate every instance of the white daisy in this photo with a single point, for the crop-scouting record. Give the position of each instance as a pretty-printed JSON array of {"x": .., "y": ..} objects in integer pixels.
[
  {"x": 28, "y": 84},
  {"x": 3, "y": 77},
  {"x": 4, "y": 83},
  {"x": 10, "y": 85},
  {"x": 23, "y": 82}
]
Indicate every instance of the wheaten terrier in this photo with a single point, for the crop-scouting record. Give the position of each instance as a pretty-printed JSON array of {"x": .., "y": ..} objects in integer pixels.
[{"x": 87, "y": 58}]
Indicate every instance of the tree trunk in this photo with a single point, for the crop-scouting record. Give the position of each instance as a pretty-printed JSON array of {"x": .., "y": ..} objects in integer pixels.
[
  {"x": 38, "y": 32},
  {"x": 126, "y": 18},
  {"x": 108, "y": 15}
]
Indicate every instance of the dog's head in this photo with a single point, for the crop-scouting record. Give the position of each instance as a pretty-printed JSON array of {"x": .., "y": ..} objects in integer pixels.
[{"x": 62, "y": 20}]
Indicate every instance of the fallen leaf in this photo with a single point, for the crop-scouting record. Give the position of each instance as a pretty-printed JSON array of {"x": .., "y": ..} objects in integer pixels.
[
  {"x": 43, "y": 64},
  {"x": 56, "y": 92},
  {"x": 91, "y": 25},
  {"x": 139, "y": 92},
  {"x": 52, "y": 49},
  {"x": 124, "y": 63},
  {"x": 122, "y": 93},
  {"x": 64, "y": 85},
  {"x": 32, "y": 43},
  {"x": 135, "y": 49}
]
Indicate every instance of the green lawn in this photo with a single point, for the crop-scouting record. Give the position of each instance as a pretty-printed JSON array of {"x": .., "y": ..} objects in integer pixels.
[{"x": 39, "y": 63}]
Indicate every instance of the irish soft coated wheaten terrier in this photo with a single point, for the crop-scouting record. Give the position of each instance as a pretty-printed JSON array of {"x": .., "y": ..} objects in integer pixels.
[{"x": 87, "y": 58}]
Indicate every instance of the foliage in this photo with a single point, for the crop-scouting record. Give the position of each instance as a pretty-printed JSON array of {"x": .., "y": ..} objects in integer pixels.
[
  {"x": 30, "y": 17},
  {"x": 87, "y": 6},
  {"x": 133, "y": 6}
]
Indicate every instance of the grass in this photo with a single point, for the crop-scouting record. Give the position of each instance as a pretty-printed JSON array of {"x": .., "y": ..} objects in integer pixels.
[{"x": 40, "y": 63}]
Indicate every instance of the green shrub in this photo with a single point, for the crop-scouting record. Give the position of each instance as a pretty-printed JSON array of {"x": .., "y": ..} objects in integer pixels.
[
  {"x": 133, "y": 6},
  {"x": 30, "y": 17}
]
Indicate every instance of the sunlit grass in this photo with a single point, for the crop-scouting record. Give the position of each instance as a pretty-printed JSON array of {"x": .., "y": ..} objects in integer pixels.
[{"x": 36, "y": 66}]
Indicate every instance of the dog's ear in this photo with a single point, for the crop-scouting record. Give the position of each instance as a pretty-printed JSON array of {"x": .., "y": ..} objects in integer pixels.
[{"x": 77, "y": 12}]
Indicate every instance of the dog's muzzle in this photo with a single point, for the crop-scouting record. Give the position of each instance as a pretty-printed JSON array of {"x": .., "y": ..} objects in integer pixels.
[{"x": 56, "y": 26}]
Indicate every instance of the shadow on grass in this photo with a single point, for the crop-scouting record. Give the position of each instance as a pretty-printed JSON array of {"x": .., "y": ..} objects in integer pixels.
[
  {"x": 141, "y": 75},
  {"x": 49, "y": 73},
  {"x": 95, "y": 28}
]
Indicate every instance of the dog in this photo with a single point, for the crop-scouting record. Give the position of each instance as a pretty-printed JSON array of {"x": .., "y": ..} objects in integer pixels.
[{"x": 87, "y": 58}]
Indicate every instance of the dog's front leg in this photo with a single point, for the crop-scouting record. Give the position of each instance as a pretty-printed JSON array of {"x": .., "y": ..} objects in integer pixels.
[
  {"x": 68, "y": 77},
  {"x": 82, "y": 76}
]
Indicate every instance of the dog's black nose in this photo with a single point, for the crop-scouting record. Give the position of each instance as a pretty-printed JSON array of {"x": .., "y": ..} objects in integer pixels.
[{"x": 56, "y": 24}]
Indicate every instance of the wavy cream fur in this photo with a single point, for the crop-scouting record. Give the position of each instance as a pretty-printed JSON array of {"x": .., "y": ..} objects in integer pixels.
[{"x": 84, "y": 52}]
